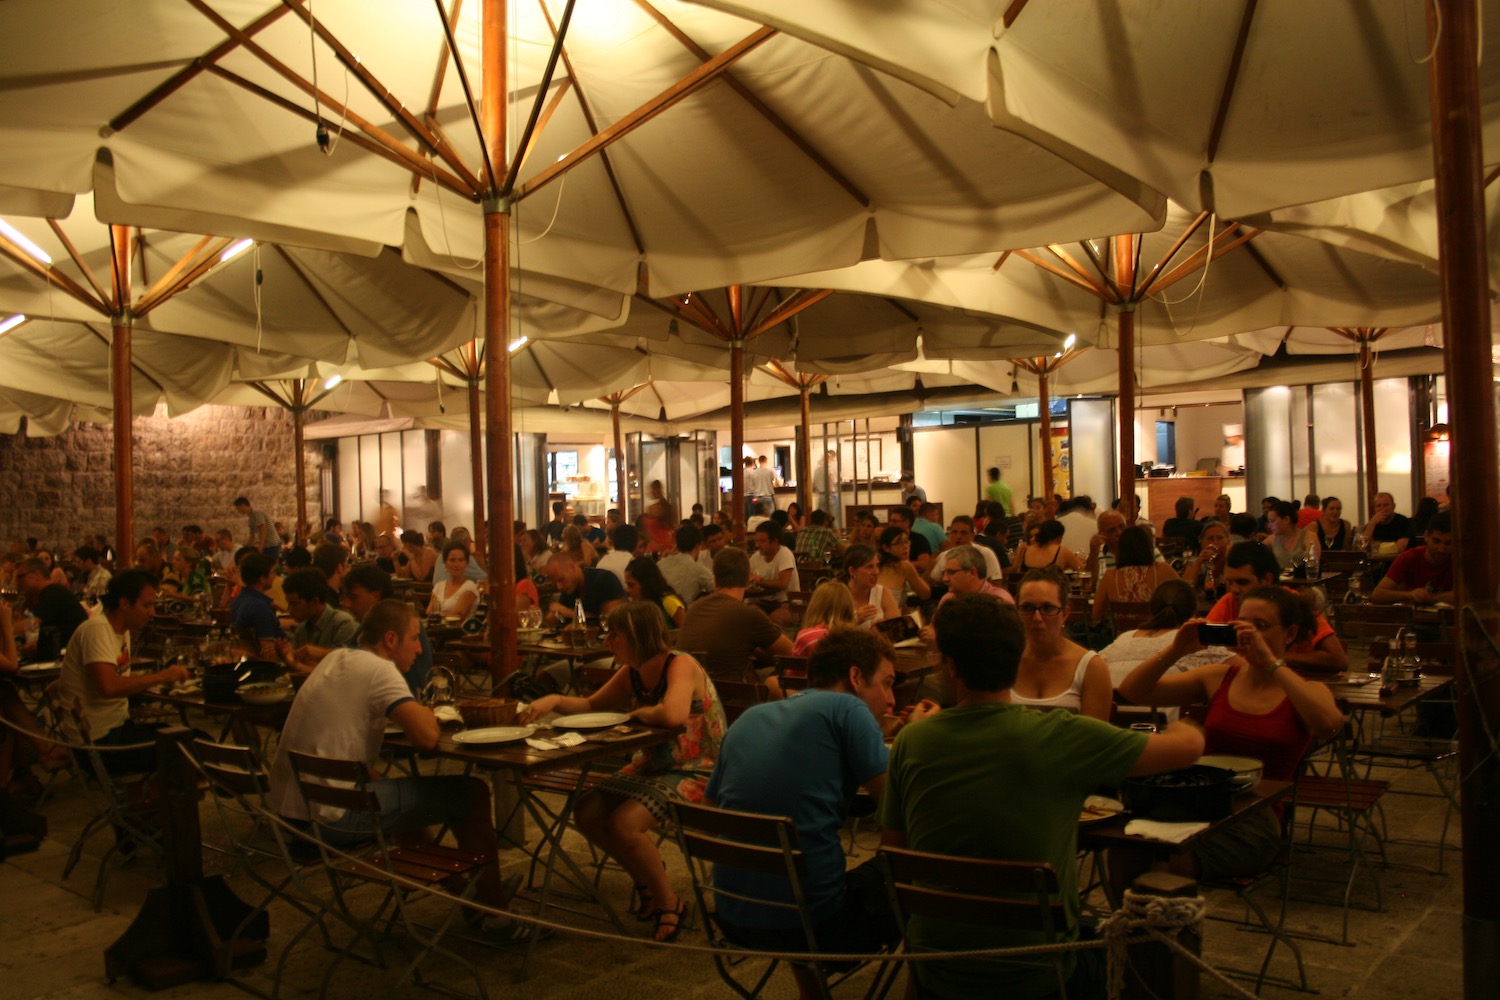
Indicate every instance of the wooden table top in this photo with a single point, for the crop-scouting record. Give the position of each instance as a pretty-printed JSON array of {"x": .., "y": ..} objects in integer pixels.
[
  {"x": 1358, "y": 692},
  {"x": 518, "y": 756},
  {"x": 1111, "y": 832}
]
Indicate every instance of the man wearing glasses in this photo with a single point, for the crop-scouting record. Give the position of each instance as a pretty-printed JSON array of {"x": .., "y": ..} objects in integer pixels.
[
  {"x": 961, "y": 534},
  {"x": 963, "y": 572}
]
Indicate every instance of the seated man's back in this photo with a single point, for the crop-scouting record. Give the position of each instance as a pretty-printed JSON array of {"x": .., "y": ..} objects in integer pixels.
[{"x": 728, "y": 632}]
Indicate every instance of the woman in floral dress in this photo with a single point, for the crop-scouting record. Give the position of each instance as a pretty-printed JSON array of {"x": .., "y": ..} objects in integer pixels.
[{"x": 663, "y": 688}]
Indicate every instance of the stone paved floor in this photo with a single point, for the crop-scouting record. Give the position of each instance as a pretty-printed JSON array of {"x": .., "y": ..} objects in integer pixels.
[{"x": 53, "y": 941}]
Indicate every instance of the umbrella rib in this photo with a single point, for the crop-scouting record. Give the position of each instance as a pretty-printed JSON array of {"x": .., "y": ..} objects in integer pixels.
[
  {"x": 1063, "y": 273},
  {"x": 53, "y": 276},
  {"x": 383, "y": 95},
  {"x": 160, "y": 288},
  {"x": 1240, "y": 236},
  {"x": 677, "y": 92},
  {"x": 469, "y": 102},
  {"x": 804, "y": 299},
  {"x": 205, "y": 263},
  {"x": 77, "y": 259},
  {"x": 558, "y": 35},
  {"x": 182, "y": 77},
  {"x": 760, "y": 107},
  {"x": 593, "y": 127},
  {"x": 307, "y": 283},
  {"x": 375, "y": 141},
  {"x": 1166, "y": 259},
  {"x": 1231, "y": 77},
  {"x": 134, "y": 365},
  {"x": 564, "y": 85},
  {"x": 267, "y": 391}
]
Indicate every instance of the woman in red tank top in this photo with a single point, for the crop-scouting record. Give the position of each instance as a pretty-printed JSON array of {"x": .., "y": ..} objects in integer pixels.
[{"x": 1257, "y": 707}]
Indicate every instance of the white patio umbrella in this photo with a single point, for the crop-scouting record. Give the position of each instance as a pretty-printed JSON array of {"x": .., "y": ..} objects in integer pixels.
[{"x": 1236, "y": 108}]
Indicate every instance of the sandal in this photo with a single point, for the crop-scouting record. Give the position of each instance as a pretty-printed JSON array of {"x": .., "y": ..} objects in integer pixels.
[
  {"x": 672, "y": 921},
  {"x": 645, "y": 911}
]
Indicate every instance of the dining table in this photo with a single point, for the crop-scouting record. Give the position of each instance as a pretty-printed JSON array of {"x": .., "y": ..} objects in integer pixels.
[
  {"x": 1110, "y": 832},
  {"x": 567, "y": 770}
]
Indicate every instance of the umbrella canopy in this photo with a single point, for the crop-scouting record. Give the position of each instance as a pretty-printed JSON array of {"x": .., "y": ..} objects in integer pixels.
[
  {"x": 1237, "y": 108},
  {"x": 729, "y": 152}
]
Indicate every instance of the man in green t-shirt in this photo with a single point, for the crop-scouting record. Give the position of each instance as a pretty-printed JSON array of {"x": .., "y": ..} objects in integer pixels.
[
  {"x": 999, "y": 492},
  {"x": 988, "y": 779}
]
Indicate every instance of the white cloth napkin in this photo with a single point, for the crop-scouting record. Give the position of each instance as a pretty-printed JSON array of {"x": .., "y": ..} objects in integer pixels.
[
  {"x": 1172, "y": 833},
  {"x": 446, "y": 713},
  {"x": 556, "y": 742}
]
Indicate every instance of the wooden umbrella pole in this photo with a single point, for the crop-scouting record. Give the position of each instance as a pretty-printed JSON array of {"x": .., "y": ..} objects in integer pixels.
[
  {"x": 299, "y": 428},
  {"x": 120, "y": 387},
  {"x": 737, "y": 437},
  {"x": 1044, "y": 405},
  {"x": 614, "y": 419},
  {"x": 1367, "y": 423},
  {"x": 1464, "y": 271},
  {"x": 476, "y": 465},
  {"x": 497, "y": 431},
  {"x": 121, "y": 391},
  {"x": 804, "y": 454},
  {"x": 1126, "y": 416},
  {"x": 1124, "y": 247}
]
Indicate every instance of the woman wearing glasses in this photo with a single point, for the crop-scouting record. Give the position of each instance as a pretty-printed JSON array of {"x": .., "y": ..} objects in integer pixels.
[
  {"x": 1055, "y": 671},
  {"x": 1257, "y": 707}
]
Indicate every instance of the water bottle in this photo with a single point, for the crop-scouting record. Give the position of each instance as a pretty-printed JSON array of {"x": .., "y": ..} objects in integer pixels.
[
  {"x": 579, "y": 618},
  {"x": 1210, "y": 589},
  {"x": 1406, "y": 672}
]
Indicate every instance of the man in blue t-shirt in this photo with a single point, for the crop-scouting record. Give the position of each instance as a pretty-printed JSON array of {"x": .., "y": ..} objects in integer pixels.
[
  {"x": 252, "y": 607},
  {"x": 805, "y": 758}
]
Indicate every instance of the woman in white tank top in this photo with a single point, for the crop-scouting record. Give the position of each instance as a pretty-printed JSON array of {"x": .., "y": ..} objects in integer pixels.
[{"x": 1055, "y": 671}]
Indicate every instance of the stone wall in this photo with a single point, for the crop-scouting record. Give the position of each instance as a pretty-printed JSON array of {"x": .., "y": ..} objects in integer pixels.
[{"x": 188, "y": 470}]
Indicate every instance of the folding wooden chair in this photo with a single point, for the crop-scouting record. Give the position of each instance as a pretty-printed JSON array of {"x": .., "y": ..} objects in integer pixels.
[
  {"x": 239, "y": 783},
  {"x": 407, "y": 873},
  {"x": 752, "y": 842},
  {"x": 1006, "y": 895},
  {"x": 738, "y": 696}
]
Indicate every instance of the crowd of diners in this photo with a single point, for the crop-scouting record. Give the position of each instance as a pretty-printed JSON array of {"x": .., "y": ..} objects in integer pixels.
[{"x": 994, "y": 761}]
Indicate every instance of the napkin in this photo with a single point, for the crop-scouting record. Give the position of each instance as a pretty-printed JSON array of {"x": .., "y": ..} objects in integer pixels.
[
  {"x": 555, "y": 743},
  {"x": 1172, "y": 833},
  {"x": 446, "y": 713}
]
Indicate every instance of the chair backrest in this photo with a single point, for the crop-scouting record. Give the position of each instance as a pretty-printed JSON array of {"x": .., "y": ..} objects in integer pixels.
[
  {"x": 737, "y": 696},
  {"x": 1015, "y": 895},
  {"x": 1353, "y": 621},
  {"x": 1342, "y": 561},
  {"x": 794, "y": 664},
  {"x": 1437, "y": 657},
  {"x": 312, "y": 771}
]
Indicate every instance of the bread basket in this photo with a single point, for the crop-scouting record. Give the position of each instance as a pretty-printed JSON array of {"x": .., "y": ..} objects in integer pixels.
[{"x": 479, "y": 712}]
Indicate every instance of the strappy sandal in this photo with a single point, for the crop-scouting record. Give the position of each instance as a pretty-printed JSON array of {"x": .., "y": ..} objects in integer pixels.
[
  {"x": 678, "y": 919},
  {"x": 645, "y": 912}
]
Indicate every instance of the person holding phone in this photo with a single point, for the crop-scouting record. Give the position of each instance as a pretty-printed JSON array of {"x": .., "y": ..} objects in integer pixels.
[
  {"x": 1257, "y": 707},
  {"x": 1250, "y": 565}
]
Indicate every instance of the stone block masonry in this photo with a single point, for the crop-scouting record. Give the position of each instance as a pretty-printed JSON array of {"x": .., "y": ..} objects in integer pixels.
[{"x": 188, "y": 470}]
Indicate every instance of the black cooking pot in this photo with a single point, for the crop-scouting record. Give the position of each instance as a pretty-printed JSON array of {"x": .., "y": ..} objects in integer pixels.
[
  {"x": 220, "y": 680},
  {"x": 1194, "y": 794}
]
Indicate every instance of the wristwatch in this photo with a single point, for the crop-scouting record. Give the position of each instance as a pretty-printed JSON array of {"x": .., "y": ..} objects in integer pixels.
[{"x": 1280, "y": 662}]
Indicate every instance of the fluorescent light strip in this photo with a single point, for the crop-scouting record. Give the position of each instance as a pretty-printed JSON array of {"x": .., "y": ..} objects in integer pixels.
[
  {"x": 36, "y": 252},
  {"x": 7, "y": 325},
  {"x": 518, "y": 343},
  {"x": 235, "y": 249}
]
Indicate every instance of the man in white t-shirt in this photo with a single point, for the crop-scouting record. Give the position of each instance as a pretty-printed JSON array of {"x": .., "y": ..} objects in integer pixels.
[
  {"x": 95, "y": 674},
  {"x": 773, "y": 572},
  {"x": 342, "y": 710},
  {"x": 625, "y": 540}
]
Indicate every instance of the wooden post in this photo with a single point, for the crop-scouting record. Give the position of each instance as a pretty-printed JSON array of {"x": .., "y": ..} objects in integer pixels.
[
  {"x": 1464, "y": 270},
  {"x": 804, "y": 453},
  {"x": 1125, "y": 279},
  {"x": 620, "y": 477},
  {"x": 476, "y": 458},
  {"x": 299, "y": 427},
  {"x": 121, "y": 391},
  {"x": 1156, "y": 972},
  {"x": 737, "y": 437},
  {"x": 1367, "y": 422},
  {"x": 497, "y": 431},
  {"x": 1045, "y": 405}
]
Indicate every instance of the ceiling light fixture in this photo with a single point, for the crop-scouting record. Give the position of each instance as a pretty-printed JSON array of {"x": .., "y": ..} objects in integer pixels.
[
  {"x": 35, "y": 252},
  {"x": 332, "y": 381},
  {"x": 10, "y": 323},
  {"x": 518, "y": 343}
]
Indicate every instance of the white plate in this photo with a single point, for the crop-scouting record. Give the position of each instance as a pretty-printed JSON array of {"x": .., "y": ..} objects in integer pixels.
[
  {"x": 39, "y": 668},
  {"x": 591, "y": 720},
  {"x": 494, "y": 734},
  {"x": 1098, "y": 808}
]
